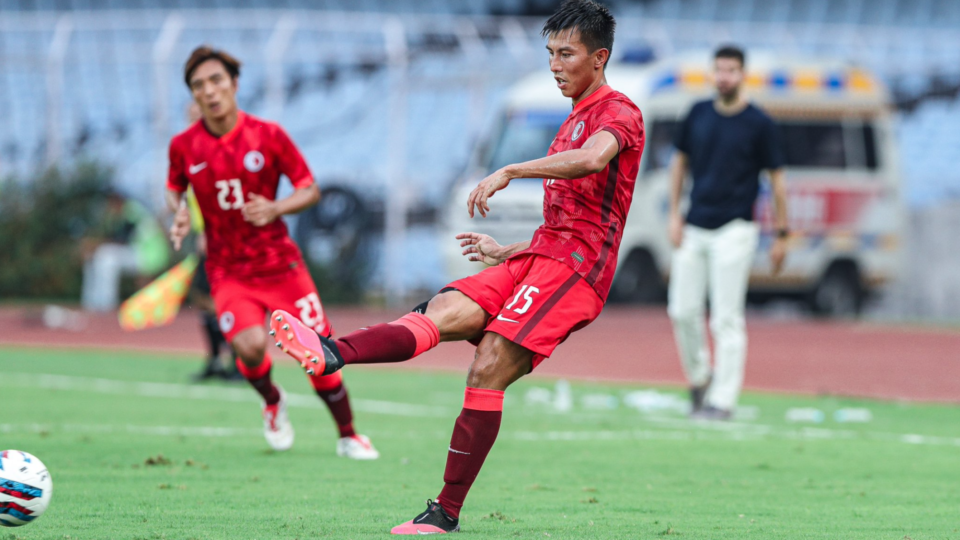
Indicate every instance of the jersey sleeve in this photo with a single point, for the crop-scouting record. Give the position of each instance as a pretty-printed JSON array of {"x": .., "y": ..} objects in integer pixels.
[
  {"x": 176, "y": 177},
  {"x": 621, "y": 121},
  {"x": 291, "y": 161}
]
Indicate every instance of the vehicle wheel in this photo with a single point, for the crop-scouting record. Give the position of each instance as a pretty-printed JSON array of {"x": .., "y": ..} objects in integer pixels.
[
  {"x": 334, "y": 233},
  {"x": 638, "y": 280},
  {"x": 839, "y": 293}
]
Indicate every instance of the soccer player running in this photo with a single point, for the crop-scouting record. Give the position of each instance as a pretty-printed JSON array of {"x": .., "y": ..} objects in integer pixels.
[
  {"x": 234, "y": 161},
  {"x": 537, "y": 292},
  {"x": 725, "y": 142}
]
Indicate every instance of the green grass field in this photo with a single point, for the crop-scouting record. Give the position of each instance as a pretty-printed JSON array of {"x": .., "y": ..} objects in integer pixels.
[{"x": 94, "y": 418}]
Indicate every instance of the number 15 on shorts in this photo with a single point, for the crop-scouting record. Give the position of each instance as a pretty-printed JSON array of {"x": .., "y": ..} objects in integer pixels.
[{"x": 525, "y": 293}]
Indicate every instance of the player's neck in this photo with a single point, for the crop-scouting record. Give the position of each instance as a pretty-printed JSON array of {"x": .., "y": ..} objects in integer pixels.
[
  {"x": 730, "y": 104},
  {"x": 594, "y": 86},
  {"x": 222, "y": 125}
]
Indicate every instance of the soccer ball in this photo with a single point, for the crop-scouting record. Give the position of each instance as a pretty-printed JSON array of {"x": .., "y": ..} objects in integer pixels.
[{"x": 25, "y": 488}]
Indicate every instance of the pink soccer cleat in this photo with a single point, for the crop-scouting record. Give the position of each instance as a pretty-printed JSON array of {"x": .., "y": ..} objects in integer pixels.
[
  {"x": 434, "y": 520},
  {"x": 317, "y": 355}
]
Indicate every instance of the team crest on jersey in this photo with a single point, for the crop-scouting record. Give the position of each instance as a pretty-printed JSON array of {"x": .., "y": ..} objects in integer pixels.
[
  {"x": 253, "y": 161},
  {"x": 227, "y": 321},
  {"x": 577, "y": 131}
]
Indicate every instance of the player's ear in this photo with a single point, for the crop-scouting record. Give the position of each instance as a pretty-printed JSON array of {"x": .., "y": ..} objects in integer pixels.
[{"x": 600, "y": 58}]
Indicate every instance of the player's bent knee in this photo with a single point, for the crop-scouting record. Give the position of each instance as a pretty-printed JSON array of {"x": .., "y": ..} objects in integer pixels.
[
  {"x": 251, "y": 346},
  {"x": 445, "y": 305},
  {"x": 457, "y": 316},
  {"x": 498, "y": 363}
]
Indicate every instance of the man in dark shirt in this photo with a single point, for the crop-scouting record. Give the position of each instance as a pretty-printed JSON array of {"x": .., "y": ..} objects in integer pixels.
[{"x": 725, "y": 143}]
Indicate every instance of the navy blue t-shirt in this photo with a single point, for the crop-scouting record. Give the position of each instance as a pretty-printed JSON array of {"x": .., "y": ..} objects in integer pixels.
[{"x": 726, "y": 155}]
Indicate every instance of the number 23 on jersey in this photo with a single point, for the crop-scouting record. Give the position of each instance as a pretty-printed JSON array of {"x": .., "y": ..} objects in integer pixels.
[{"x": 229, "y": 194}]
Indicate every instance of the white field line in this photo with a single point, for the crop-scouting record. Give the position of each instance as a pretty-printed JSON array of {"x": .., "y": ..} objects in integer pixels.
[
  {"x": 676, "y": 428},
  {"x": 805, "y": 434},
  {"x": 213, "y": 393},
  {"x": 164, "y": 431}
]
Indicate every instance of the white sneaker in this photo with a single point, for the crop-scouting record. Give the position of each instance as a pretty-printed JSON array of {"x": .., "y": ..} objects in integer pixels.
[
  {"x": 356, "y": 447},
  {"x": 277, "y": 428}
]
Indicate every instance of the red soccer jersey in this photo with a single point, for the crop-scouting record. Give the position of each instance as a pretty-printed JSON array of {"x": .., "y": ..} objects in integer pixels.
[
  {"x": 584, "y": 218},
  {"x": 224, "y": 171}
]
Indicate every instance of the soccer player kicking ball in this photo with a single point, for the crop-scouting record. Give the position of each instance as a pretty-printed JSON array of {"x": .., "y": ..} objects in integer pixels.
[
  {"x": 537, "y": 292},
  {"x": 234, "y": 161}
]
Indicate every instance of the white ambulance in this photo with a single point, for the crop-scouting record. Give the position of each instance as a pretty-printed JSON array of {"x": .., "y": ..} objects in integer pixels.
[{"x": 842, "y": 171}]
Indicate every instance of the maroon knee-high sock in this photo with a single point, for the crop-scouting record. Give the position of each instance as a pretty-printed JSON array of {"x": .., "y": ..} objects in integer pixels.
[
  {"x": 259, "y": 379},
  {"x": 400, "y": 340},
  {"x": 331, "y": 390},
  {"x": 473, "y": 437}
]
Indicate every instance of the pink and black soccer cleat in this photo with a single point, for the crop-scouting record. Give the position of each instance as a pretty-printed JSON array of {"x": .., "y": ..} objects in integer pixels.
[
  {"x": 434, "y": 520},
  {"x": 316, "y": 354}
]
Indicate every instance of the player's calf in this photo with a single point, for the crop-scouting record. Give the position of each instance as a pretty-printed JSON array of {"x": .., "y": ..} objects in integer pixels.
[
  {"x": 250, "y": 346},
  {"x": 498, "y": 363}
]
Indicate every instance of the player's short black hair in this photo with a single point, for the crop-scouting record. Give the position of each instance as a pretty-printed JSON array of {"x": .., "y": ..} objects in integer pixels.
[
  {"x": 593, "y": 20},
  {"x": 203, "y": 53},
  {"x": 731, "y": 51}
]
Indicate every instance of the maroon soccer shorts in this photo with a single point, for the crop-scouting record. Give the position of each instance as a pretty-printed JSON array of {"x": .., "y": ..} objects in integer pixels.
[
  {"x": 241, "y": 305},
  {"x": 534, "y": 301}
]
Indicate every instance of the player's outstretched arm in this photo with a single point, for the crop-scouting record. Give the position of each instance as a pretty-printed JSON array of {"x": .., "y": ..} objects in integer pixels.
[
  {"x": 483, "y": 248},
  {"x": 591, "y": 158},
  {"x": 180, "y": 227},
  {"x": 261, "y": 211}
]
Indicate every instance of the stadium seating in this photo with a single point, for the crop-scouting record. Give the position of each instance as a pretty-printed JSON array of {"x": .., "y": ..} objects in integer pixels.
[{"x": 108, "y": 102}]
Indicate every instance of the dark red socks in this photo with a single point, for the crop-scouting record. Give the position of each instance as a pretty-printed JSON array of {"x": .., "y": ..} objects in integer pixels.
[
  {"x": 259, "y": 378},
  {"x": 403, "y": 339},
  {"x": 331, "y": 390},
  {"x": 473, "y": 436}
]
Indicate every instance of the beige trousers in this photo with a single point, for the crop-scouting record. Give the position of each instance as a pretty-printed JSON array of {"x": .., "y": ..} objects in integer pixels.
[{"x": 715, "y": 262}]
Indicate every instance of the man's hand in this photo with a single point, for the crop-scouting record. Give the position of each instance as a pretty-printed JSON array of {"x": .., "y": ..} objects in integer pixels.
[
  {"x": 676, "y": 230},
  {"x": 484, "y": 190},
  {"x": 481, "y": 248},
  {"x": 180, "y": 227},
  {"x": 778, "y": 252},
  {"x": 259, "y": 210}
]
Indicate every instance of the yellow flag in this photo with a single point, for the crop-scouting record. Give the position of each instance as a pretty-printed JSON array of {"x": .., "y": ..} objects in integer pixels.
[{"x": 157, "y": 304}]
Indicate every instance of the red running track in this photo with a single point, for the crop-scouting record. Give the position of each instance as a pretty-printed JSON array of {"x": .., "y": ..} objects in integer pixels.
[{"x": 629, "y": 345}]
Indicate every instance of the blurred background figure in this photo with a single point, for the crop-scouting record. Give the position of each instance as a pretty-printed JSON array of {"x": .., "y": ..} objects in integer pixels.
[
  {"x": 128, "y": 240},
  {"x": 725, "y": 143}
]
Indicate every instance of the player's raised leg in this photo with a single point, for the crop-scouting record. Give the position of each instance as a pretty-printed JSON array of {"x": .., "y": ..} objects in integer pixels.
[
  {"x": 498, "y": 363},
  {"x": 450, "y": 316},
  {"x": 255, "y": 365}
]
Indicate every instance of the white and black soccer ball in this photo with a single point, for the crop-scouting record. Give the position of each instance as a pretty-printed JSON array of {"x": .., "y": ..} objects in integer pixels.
[{"x": 25, "y": 488}]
